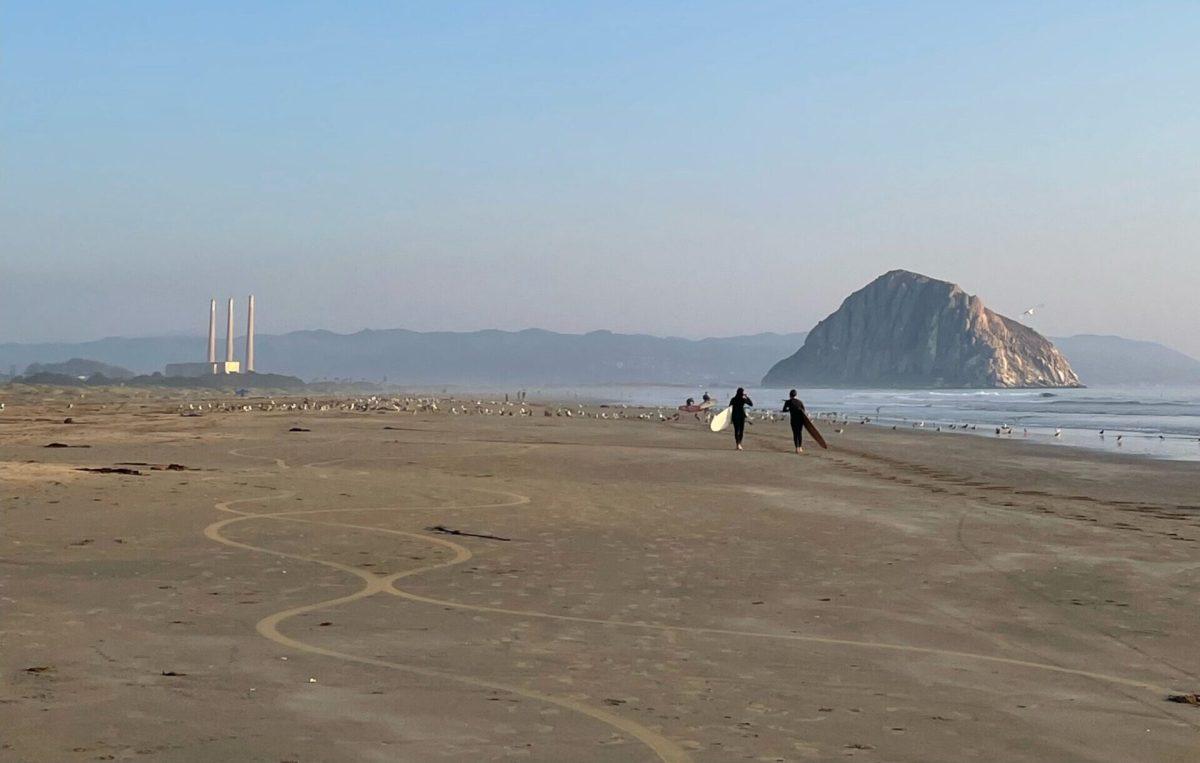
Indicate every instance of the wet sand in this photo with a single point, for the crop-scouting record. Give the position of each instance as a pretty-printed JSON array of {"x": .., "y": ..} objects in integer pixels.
[{"x": 597, "y": 590}]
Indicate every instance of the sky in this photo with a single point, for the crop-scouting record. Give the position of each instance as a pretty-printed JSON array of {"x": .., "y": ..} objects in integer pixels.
[{"x": 691, "y": 168}]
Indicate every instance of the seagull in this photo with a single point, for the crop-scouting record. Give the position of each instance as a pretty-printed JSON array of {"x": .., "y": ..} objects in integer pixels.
[{"x": 1032, "y": 310}]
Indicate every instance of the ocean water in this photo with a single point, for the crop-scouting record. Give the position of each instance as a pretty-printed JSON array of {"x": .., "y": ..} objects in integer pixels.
[{"x": 1160, "y": 422}]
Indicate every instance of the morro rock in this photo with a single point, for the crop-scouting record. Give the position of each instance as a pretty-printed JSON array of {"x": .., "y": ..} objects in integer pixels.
[{"x": 908, "y": 330}]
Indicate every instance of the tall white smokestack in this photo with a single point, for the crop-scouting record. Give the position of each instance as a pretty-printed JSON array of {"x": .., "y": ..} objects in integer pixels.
[
  {"x": 212, "y": 331},
  {"x": 229, "y": 333},
  {"x": 250, "y": 336}
]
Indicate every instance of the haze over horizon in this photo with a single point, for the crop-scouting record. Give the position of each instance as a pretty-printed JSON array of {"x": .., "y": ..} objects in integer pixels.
[{"x": 690, "y": 170}]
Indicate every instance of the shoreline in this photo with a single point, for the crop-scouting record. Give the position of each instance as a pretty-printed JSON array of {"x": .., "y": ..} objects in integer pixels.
[{"x": 1171, "y": 446}]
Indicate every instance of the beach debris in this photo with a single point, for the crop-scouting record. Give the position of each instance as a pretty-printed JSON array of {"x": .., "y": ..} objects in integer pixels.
[
  {"x": 173, "y": 673},
  {"x": 1190, "y": 698},
  {"x": 110, "y": 470},
  {"x": 159, "y": 467},
  {"x": 447, "y": 531},
  {"x": 68, "y": 420},
  {"x": 35, "y": 669},
  {"x": 299, "y": 429},
  {"x": 312, "y": 680},
  {"x": 64, "y": 445}
]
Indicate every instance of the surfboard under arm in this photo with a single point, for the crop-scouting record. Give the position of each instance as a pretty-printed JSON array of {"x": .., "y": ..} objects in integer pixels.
[
  {"x": 813, "y": 433},
  {"x": 721, "y": 420}
]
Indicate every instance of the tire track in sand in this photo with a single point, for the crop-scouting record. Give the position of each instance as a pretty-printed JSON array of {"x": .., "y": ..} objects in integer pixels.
[{"x": 372, "y": 584}]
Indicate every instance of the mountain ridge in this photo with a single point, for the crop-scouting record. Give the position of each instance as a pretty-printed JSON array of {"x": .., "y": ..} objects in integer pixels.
[
  {"x": 403, "y": 356},
  {"x": 1106, "y": 359},
  {"x": 1099, "y": 359}
]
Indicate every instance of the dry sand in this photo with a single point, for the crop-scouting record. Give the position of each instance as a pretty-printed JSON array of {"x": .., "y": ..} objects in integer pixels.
[{"x": 621, "y": 590}]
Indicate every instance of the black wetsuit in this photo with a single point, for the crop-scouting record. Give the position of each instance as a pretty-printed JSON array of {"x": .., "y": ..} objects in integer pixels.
[
  {"x": 795, "y": 408},
  {"x": 738, "y": 404}
]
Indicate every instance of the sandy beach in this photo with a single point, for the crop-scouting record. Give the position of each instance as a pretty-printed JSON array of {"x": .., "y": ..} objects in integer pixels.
[{"x": 428, "y": 585}]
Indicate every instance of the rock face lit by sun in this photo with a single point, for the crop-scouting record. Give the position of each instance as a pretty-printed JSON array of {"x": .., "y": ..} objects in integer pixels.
[{"x": 908, "y": 330}]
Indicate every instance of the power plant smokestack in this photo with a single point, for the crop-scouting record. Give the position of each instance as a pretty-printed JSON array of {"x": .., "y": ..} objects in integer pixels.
[
  {"x": 212, "y": 331},
  {"x": 250, "y": 336},
  {"x": 229, "y": 334}
]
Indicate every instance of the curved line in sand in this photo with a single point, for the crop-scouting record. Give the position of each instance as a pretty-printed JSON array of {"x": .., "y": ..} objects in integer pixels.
[{"x": 268, "y": 627}]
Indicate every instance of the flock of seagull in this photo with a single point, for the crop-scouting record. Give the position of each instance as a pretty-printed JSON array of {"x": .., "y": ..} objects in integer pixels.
[
  {"x": 452, "y": 407},
  {"x": 480, "y": 407}
]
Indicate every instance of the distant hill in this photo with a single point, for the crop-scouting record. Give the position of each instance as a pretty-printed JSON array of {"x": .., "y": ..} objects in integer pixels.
[
  {"x": 214, "y": 382},
  {"x": 405, "y": 357},
  {"x": 80, "y": 367},
  {"x": 905, "y": 329},
  {"x": 1116, "y": 360},
  {"x": 141, "y": 354}
]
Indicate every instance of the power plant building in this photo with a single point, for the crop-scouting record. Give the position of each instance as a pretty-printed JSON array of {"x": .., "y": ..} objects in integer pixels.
[{"x": 213, "y": 366}]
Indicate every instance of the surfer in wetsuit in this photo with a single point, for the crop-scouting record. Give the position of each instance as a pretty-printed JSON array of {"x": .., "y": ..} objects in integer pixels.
[
  {"x": 795, "y": 408},
  {"x": 738, "y": 405}
]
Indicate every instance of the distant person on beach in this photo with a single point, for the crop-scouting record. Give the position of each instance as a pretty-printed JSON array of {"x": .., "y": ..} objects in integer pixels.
[
  {"x": 706, "y": 398},
  {"x": 795, "y": 408},
  {"x": 738, "y": 403}
]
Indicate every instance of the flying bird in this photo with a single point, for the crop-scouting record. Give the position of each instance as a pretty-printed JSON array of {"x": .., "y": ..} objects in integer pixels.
[{"x": 1032, "y": 310}]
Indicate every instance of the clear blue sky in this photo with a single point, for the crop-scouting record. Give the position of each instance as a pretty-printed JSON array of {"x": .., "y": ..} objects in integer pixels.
[{"x": 690, "y": 168}]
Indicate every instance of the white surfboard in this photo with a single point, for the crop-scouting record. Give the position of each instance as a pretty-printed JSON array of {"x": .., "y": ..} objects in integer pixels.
[{"x": 721, "y": 420}]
